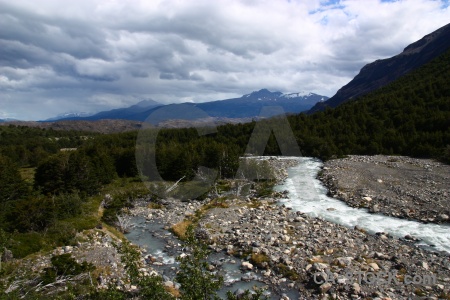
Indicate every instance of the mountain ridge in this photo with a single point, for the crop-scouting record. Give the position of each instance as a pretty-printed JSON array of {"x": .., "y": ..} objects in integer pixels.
[
  {"x": 384, "y": 71},
  {"x": 247, "y": 106}
]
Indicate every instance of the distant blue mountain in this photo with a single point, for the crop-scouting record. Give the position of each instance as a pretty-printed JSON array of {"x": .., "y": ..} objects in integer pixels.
[
  {"x": 247, "y": 106},
  {"x": 7, "y": 120},
  {"x": 67, "y": 116},
  {"x": 126, "y": 113}
]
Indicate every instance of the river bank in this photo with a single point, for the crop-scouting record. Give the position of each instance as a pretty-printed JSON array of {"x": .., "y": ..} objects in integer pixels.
[{"x": 398, "y": 186}]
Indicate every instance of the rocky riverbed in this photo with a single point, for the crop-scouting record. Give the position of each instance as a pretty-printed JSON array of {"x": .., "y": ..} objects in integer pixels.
[
  {"x": 290, "y": 251},
  {"x": 397, "y": 186},
  {"x": 292, "y": 254}
]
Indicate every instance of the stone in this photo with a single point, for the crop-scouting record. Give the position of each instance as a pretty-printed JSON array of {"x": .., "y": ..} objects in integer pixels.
[
  {"x": 356, "y": 288},
  {"x": 367, "y": 198},
  {"x": 248, "y": 277},
  {"x": 319, "y": 266},
  {"x": 344, "y": 261},
  {"x": 374, "y": 266},
  {"x": 67, "y": 249},
  {"x": 247, "y": 265},
  {"x": 374, "y": 208},
  {"x": 239, "y": 293},
  {"x": 325, "y": 287},
  {"x": 423, "y": 264},
  {"x": 443, "y": 217}
]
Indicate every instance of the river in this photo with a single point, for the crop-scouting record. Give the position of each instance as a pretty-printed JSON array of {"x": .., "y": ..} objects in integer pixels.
[{"x": 308, "y": 195}]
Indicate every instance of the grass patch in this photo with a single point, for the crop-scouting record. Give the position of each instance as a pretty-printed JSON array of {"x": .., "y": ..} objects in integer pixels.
[
  {"x": 217, "y": 202},
  {"x": 286, "y": 272},
  {"x": 114, "y": 231},
  {"x": 260, "y": 260},
  {"x": 254, "y": 204},
  {"x": 173, "y": 291},
  {"x": 180, "y": 229},
  {"x": 153, "y": 205}
]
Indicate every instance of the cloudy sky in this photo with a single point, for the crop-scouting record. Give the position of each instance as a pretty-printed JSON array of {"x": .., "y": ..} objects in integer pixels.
[{"x": 91, "y": 55}]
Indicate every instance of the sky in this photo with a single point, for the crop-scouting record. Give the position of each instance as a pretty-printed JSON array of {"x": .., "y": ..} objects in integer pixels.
[{"x": 93, "y": 55}]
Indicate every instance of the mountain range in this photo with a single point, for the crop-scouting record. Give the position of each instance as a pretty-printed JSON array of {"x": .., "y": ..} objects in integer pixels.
[
  {"x": 247, "y": 106},
  {"x": 371, "y": 78},
  {"x": 384, "y": 71}
]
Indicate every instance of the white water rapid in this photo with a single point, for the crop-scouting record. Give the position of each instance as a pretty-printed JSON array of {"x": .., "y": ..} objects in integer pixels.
[{"x": 308, "y": 195}]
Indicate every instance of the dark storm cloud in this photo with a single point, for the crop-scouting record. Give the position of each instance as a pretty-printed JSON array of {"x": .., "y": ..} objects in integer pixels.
[{"x": 53, "y": 34}]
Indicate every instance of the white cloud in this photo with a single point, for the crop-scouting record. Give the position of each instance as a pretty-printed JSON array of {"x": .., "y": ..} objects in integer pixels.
[{"x": 94, "y": 55}]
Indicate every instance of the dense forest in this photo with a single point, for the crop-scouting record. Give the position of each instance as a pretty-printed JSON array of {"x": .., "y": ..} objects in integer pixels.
[
  {"x": 44, "y": 189},
  {"x": 411, "y": 116}
]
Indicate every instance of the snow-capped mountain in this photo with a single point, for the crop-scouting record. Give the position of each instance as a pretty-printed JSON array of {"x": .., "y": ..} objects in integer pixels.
[
  {"x": 250, "y": 105},
  {"x": 247, "y": 106}
]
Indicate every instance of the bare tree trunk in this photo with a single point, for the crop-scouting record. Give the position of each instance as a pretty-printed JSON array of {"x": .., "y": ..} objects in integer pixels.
[{"x": 174, "y": 186}]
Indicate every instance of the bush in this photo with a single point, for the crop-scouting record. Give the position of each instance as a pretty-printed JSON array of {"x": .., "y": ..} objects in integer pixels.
[
  {"x": 445, "y": 157},
  {"x": 195, "y": 279},
  {"x": 150, "y": 287},
  {"x": 12, "y": 187},
  {"x": 23, "y": 244},
  {"x": 76, "y": 171},
  {"x": 64, "y": 265}
]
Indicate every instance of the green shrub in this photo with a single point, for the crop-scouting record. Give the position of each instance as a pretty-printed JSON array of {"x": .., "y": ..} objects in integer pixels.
[
  {"x": 195, "y": 279},
  {"x": 64, "y": 265}
]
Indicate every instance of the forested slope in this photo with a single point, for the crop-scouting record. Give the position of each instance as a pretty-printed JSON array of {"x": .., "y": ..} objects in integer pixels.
[{"x": 410, "y": 116}]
